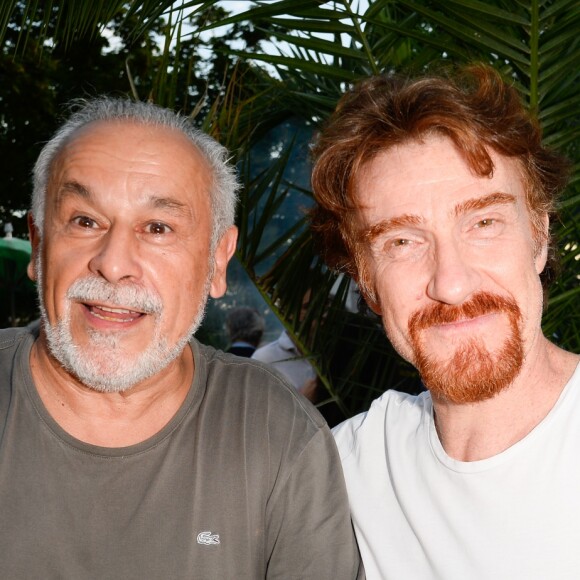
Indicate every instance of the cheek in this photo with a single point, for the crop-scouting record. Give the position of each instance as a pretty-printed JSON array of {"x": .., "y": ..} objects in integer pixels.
[
  {"x": 531, "y": 300},
  {"x": 396, "y": 329},
  {"x": 400, "y": 292},
  {"x": 400, "y": 295},
  {"x": 185, "y": 295},
  {"x": 55, "y": 277},
  {"x": 395, "y": 317}
]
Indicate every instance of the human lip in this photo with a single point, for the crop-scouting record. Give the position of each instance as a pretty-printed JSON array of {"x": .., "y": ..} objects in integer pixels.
[
  {"x": 466, "y": 323},
  {"x": 113, "y": 313}
]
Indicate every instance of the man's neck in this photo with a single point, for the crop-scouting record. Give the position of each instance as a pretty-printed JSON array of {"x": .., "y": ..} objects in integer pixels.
[
  {"x": 470, "y": 432},
  {"x": 110, "y": 419}
]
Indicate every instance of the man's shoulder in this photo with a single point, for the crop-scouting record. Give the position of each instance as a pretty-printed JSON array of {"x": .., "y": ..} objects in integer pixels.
[
  {"x": 10, "y": 338},
  {"x": 238, "y": 379},
  {"x": 393, "y": 411}
]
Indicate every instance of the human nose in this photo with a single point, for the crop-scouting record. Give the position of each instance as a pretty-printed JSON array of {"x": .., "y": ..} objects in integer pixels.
[
  {"x": 116, "y": 258},
  {"x": 453, "y": 278}
]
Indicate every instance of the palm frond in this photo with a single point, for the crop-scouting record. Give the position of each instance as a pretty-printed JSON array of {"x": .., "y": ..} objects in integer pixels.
[{"x": 315, "y": 51}]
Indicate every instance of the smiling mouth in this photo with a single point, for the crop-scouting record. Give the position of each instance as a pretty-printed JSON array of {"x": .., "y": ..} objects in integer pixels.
[
  {"x": 110, "y": 314},
  {"x": 465, "y": 320}
]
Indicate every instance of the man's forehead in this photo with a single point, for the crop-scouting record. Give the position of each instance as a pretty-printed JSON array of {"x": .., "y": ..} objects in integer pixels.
[
  {"x": 132, "y": 135},
  {"x": 160, "y": 166},
  {"x": 75, "y": 189},
  {"x": 431, "y": 172},
  {"x": 132, "y": 141}
]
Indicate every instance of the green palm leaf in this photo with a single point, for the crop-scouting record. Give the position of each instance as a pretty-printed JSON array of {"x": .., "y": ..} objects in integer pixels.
[{"x": 316, "y": 51}]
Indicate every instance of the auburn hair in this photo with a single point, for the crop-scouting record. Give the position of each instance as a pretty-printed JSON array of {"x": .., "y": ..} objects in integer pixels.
[{"x": 475, "y": 109}]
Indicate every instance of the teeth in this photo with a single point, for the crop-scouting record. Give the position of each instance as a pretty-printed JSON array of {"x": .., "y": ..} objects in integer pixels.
[
  {"x": 115, "y": 310},
  {"x": 120, "y": 314},
  {"x": 97, "y": 315}
]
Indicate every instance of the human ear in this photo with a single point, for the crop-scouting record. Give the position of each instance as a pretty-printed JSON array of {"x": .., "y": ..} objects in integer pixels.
[
  {"x": 224, "y": 251},
  {"x": 541, "y": 255},
  {"x": 35, "y": 243}
]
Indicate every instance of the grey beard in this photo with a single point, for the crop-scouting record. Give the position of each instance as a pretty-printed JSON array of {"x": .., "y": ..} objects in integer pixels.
[{"x": 103, "y": 364}]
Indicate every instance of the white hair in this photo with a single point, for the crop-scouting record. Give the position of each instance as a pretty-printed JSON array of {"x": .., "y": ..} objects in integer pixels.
[{"x": 224, "y": 188}]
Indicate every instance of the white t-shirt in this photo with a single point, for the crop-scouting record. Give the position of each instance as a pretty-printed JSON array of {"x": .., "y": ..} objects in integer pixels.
[{"x": 420, "y": 514}]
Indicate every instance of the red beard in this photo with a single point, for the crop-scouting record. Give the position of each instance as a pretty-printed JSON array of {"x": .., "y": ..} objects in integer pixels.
[{"x": 472, "y": 373}]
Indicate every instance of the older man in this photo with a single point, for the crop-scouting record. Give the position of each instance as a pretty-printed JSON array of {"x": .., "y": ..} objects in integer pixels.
[
  {"x": 127, "y": 449},
  {"x": 436, "y": 194}
]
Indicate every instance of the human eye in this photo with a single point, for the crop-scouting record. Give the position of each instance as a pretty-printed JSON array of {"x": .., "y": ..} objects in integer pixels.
[
  {"x": 84, "y": 222},
  {"x": 487, "y": 226},
  {"x": 397, "y": 239},
  {"x": 401, "y": 247},
  {"x": 401, "y": 243},
  {"x": 157, "y": 228},
  {"x": 485, "y": 223}
]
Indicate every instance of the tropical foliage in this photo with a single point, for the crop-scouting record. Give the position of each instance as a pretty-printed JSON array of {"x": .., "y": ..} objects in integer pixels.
[{"x": 302, "y": 56}]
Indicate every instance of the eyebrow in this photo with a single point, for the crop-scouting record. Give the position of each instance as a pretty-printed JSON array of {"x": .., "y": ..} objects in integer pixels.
[
  {"x": 477, "y": 203},
  {"x": 72, "y": 188},
  {"x": 385, "y": 226},
  {"x": 157, "y": 202},
  {"x": 170, "y": 204}
]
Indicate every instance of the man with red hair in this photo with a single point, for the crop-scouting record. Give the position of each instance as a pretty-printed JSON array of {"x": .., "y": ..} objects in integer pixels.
[{"x": 436, "y": 195}]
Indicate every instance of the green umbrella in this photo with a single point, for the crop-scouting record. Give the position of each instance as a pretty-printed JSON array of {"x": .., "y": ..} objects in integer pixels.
[{"x": 14, "y": 259}]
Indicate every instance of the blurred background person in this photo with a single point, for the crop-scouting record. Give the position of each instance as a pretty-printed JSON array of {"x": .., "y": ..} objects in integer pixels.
[
  {"x": 286, "y": 358},
  {"x": 245, "y": 328}
]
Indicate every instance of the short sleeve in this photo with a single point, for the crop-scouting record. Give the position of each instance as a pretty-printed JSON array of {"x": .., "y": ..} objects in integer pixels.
[{"x": 310, "y": 530}]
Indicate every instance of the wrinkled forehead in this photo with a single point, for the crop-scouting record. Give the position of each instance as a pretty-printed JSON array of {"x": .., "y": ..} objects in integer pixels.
[
  {"x": 136, "y": 150},
  {"x": 132, "y": 136},
  {"x": 414, "y": 168}
]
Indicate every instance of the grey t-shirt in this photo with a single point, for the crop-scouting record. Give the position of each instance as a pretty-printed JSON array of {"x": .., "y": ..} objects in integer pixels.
[{"x": 243, "y": 483}]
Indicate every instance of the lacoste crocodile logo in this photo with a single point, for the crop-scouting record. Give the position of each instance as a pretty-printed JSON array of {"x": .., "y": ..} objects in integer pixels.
[{"x": 208, "y": 539}]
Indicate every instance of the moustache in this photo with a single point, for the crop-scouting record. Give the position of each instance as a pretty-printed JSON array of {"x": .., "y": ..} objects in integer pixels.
[
  {"x": 128, "y": 296},
  {"x": 480, "y": 304}
]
